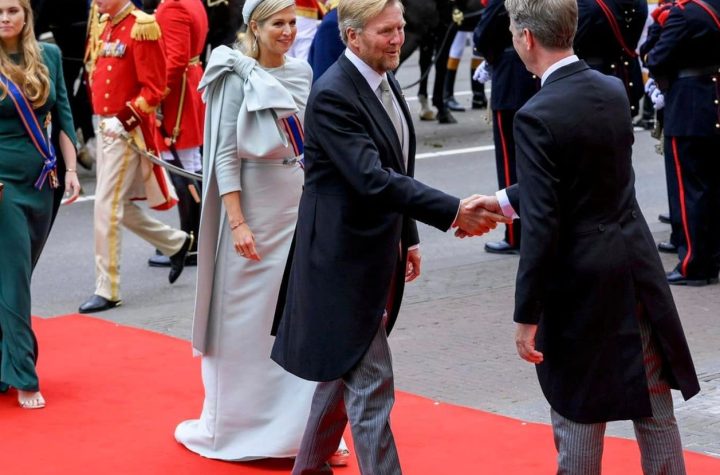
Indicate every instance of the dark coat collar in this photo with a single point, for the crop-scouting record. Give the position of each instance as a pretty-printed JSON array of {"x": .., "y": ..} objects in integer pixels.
[{"x": 565, "y": 71}]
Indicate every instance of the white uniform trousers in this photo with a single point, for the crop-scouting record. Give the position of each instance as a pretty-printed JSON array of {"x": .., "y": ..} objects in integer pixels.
[
  {"x": 118, "y": 167},
  {"x": 306, "y": 29}
]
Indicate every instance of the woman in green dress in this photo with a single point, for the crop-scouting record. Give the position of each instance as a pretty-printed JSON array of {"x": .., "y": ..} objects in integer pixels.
[{"x": 35, "y": 72}]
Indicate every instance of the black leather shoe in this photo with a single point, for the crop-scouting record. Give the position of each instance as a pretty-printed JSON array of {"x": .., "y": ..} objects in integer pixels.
[
  {"x": 501, "y": 247},
  {"x": 664, "y": 218},
  {"x": 676, "y": 278},
  {"x": 668, "y": 247},
  {"x": 177, "y": 260},
  {"x": 161, "y": 260},
  {"x": 97, "y": 303},
  {"x": 454, "y": 105},
  {"x": 479, "y": 102},
  {"x": 445, "y": 117}
]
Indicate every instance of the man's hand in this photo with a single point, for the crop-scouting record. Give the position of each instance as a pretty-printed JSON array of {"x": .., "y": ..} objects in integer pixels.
[
  {"x": 478, "y": 214},
  {"x": 412, "y": 268},
  {"x": 525, "y": 343},
  {"x": 111, "y": 129}
]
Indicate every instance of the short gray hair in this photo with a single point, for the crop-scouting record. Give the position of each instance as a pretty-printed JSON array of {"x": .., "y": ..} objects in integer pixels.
[
  {"x": 356, "y": 14},
  {"x": 552, "y": 22}
]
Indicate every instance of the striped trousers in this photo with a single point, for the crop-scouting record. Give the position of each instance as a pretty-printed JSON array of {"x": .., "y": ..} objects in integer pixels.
[
  {"x": 580, "y": 446},
  {"x": 365, "y": 396}
]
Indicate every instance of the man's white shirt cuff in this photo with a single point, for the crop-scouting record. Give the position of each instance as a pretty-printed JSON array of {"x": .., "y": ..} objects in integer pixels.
[{"x": 505, "y": 205}]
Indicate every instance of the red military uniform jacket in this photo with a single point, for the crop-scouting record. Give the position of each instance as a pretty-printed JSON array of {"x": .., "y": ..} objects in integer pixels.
[
  {"x": 314, "y": 9},
  {"x": 129, "y": 76},
  {"x": 184, "y": 26}
]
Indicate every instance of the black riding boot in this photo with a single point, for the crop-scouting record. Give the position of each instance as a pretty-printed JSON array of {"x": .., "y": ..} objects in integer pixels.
[
  {"x": 189, "y": 213},
  {"x": 479, "y": 100},
  {"x": 449, "y": 92}
]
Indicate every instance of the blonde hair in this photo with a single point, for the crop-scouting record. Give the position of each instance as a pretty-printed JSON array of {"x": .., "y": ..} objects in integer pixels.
[
  {"x": 260, "y": 15},
  {"x": 31, "y": 75},
  {"x": 356, "y": 14}
]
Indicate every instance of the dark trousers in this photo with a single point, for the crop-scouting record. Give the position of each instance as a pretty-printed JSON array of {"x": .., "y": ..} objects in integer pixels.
[
  {"x": 697, "y": 168},
  {"x": 505, "y": 162},
  {"x": 677, "y": 237}
]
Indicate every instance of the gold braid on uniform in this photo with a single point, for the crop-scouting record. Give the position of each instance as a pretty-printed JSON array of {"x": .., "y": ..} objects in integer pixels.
[
  {"x": 145, "y": 28},
  {"x": 96, "y": 25}
]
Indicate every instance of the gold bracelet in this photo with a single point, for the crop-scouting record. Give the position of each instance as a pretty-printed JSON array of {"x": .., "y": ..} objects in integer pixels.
[
  {"x": 233, "y": 227},
  {"x": 70, "y": 170}
]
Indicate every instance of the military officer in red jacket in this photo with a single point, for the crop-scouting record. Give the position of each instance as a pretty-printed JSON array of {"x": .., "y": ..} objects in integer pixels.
[
  {"x": 309, "y": 14},
  {"x": 179, "y": 132},
  {"x": 128, "y": 81}
]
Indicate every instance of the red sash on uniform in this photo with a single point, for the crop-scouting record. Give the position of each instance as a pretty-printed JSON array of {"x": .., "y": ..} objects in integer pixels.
[{"x": 616, "y": 29}]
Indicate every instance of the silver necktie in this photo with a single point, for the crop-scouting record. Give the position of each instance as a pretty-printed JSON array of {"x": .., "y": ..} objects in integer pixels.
[{"x": 389, "y": 105}]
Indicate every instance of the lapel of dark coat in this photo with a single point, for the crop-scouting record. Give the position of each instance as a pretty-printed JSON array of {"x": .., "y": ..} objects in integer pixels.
[{"x": 377, "y": 112}]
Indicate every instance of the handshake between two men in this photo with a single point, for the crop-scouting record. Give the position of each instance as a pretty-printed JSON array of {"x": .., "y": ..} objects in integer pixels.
[{"x": 479, "y": 214}]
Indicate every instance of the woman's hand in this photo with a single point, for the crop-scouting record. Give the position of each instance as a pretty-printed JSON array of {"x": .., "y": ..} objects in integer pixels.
[
  {"x": 245, "y": 242},
  {"x": 72, "y": 187}
]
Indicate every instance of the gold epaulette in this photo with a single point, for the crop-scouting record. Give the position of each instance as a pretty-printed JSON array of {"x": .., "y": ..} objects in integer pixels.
[
  {"x": 146, "y": 28},
  {"x": 96, "y": 25}
]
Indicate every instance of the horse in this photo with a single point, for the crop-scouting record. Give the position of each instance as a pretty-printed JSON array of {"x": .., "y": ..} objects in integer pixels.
[{"x": 430, "y": 27}]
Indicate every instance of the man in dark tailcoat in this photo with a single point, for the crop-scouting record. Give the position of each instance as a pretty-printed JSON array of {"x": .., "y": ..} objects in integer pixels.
[
  {"x": 356, "y": 241},
  {"x": 685, "y": 62},
  {"x": 592, "y": 306}
]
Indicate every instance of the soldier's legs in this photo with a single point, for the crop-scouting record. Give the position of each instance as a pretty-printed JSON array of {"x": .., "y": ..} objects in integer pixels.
[
  {"x": 454, "y": 56},
  {"x": 168, "y": 240},
  {"x": 117, "y": 166},
  {"x": 479, "y": 99},
  {"x": 505, "y": 163},
  {"x": 696, "y": 167},
  {"x": 677, "y": 236}
]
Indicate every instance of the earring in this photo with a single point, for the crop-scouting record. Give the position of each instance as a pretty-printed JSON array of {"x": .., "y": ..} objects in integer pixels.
[{"x": 255, "y": 45}]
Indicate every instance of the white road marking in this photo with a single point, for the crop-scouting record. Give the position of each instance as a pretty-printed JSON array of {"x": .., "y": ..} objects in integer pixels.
[{"x": 457, "y": 151}]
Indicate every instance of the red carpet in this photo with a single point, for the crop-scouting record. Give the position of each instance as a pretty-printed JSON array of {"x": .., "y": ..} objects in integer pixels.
[{"x": 116, "y": 393}]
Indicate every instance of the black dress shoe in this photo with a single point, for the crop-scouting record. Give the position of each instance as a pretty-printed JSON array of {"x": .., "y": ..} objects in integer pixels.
[
  {"x": 454, "y": 105},
  {"x": 501, "y": 247},
  {"x": 445, "y": 117},
  {"x": 97, "y": 303},
  {"x": 668, "y": 247},
  {"x": 664, "y": 218},
  {"x": 676, "y": 278},
  {"x": 479, "y": 102},
  {"x": 161, "y": 260},
  {"x": 177, "y": 260}
]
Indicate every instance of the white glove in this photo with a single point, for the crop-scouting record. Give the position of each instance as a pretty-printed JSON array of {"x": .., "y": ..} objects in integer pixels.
[
  {"x": 111, "y": 129},
  {"x": 482, "y": 73},
  {"x": 657, "y": 98},
  {"x": 650, "y": 86}
]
